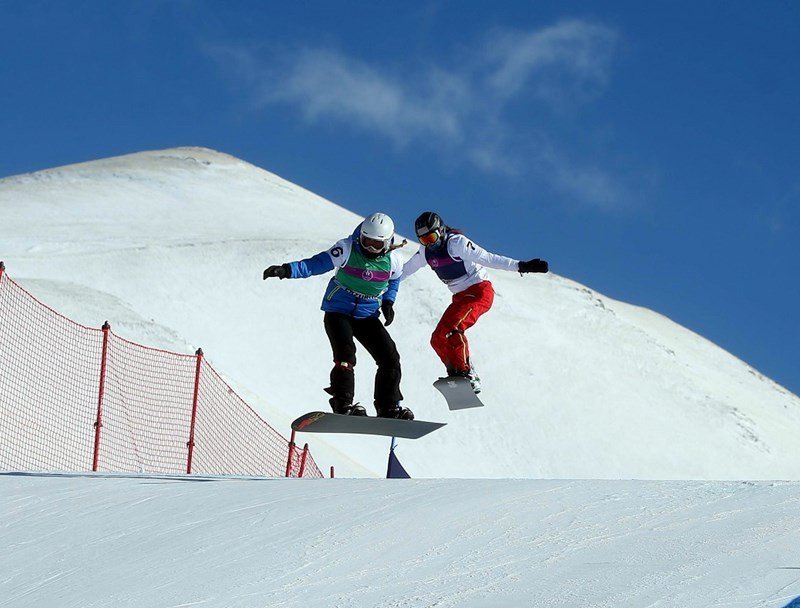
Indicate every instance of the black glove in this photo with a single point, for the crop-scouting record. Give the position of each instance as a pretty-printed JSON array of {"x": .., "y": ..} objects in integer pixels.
[
  {"x": 284, "y": 271},
  {"x": 387, "y": 308},
  {"x": 535, "y": 265}
]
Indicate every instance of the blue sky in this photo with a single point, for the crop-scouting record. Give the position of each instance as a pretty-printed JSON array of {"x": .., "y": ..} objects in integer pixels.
[{"x": 650, "y": 150}]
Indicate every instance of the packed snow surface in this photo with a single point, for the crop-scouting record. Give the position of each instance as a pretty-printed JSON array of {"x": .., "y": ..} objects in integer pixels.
[
  {"x": 78, "y": 542},
  {"x": 169, "y": 246}
]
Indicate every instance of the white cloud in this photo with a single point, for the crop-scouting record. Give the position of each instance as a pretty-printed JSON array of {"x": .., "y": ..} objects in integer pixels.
[
  {"x": 571, "y": 57},
  {"x": 325, "y": 84},
  {"x": 460, "y": 112}
]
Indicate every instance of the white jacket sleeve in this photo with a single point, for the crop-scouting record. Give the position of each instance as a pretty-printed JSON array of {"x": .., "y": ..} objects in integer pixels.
[
  {"x": 460, "y": 247},
  {"x": 416, "y": 262}
]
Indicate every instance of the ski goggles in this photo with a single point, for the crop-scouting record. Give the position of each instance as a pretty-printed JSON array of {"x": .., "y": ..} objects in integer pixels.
[
  {"x": 373, "y": 245},
  {"x": 429, "y": 238}
]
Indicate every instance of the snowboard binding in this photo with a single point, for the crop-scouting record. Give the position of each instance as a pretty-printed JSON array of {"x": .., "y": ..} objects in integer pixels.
[
  {"x": 347, "y": 409},
  {"x": 401, "y": 413}
]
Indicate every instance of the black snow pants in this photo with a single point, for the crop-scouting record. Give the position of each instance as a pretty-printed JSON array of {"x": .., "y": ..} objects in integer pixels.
[{"x": 341, "y": 330}]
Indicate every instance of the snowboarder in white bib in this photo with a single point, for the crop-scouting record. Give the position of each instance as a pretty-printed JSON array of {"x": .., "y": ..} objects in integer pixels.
[
  {"x": 365, "y": 285},
  {"x": 459, "y": 263}
]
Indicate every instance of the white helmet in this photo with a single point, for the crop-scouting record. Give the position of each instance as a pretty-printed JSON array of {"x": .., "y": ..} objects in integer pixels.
[{"x": 377, "y": 231}]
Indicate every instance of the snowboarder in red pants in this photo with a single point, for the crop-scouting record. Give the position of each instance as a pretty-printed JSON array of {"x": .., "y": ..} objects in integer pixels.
[{"x": 459, "y": 263}]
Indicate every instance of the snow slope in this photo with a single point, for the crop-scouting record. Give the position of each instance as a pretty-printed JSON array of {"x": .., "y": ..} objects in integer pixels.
[
  {"x": 80, "y": 542},
  {"x": 169, "y": 246}
]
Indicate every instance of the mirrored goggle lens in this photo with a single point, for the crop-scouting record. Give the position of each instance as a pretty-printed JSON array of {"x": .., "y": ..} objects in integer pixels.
[
  {"x": 430, "y": 238},
  {"x": 373, "y": 245}
]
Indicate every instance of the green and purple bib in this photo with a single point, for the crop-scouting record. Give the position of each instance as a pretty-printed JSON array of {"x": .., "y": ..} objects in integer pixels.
[{"x": 363, "y": 276}]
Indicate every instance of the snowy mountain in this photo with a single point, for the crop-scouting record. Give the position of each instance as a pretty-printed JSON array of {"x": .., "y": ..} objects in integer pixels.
[{"x": 169, "y": 246}]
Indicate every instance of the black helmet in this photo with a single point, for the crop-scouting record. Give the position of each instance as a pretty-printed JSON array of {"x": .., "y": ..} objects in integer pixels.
[{"x": 429, "y": 228}]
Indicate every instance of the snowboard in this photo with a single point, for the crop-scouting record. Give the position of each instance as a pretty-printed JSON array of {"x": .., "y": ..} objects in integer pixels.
[
  {"x": 328, "y": 422},
  {"x": 458, "y": 393}
]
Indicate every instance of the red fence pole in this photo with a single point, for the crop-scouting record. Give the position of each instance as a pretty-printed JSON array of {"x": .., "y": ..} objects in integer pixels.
[
  {"x": 303, "y": 460},
  {"x": 2, "y": 268},
  {"x": 99, "y": 421},
  {"x": 291, "y": 455},
  {"x": 190, "y": 443},
  {"x": 331, "y": 471}
]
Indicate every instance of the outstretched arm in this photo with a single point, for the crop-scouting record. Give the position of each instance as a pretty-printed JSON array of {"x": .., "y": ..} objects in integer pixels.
[
  {"x": 321, "y": 263},
  {"x": 462, "y": 248}
]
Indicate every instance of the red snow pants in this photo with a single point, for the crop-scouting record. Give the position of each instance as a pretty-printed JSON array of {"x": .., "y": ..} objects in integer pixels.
[{"x": 448, "y": 339}]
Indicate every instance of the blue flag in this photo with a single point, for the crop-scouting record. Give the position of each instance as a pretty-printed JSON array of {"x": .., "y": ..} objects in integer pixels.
[{"x": 395, "y": 470}]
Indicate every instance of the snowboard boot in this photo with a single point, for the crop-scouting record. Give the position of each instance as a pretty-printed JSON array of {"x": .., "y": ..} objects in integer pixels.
[
  {"x": 347, "y": 409},
  {"x": 395, "y": 411},
  {"x": 470, "y": 374}
]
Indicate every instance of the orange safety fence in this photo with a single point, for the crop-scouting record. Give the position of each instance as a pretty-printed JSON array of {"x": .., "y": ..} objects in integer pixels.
[{"x": 75, "y": 398}]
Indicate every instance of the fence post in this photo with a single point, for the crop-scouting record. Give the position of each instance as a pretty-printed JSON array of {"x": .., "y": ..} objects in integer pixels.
[
  {"x": 99, "y": 420},
  {"x": 190, "y": 443},
  {"x": 291, "y": 455},
  {"x": 331, "y": 471},
  {"x": 303, "y": 460},
  {"x": 2, "y": 269}
]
